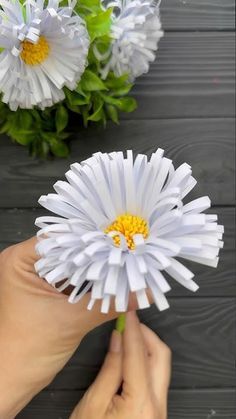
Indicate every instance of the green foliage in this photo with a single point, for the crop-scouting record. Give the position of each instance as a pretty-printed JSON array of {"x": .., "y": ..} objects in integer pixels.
[
  {"x": 61, "y": 118},
  {"x": 90, "y": 82},
  {"x": 41, "y": 131},
  {"x": 94, "y": 100}
]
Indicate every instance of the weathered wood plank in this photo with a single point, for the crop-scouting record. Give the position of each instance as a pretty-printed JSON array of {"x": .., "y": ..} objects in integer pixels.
[
  {"x": 183, "y": 404},
  {"x": 197, "y": 15},
  {"x": 200, "y": 332},
  {"x": 18, "y": 224},
  {"x": 193, "y": 76},
  {"x": 206, "y": 144}
]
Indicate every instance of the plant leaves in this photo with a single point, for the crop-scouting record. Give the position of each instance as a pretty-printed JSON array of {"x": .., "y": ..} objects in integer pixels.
[
  {"x": 127, "y": 104},
  {"x": 59, "y": 148},
  {"x": 91, "y": 82},
  {"x": 100, "y": 24},
  {"x": 112, "y": 113},
  {"x": 25, "y": 118},
  {"x": 61, "y": 118},
  {"x": 23, "y": 136},
  {"x": 84, "y": 7}
]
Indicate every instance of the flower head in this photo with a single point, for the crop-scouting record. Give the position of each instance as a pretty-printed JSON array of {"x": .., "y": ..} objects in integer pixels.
[
  {"x": 120, "y": 224},
  {"x": 135, "y": 30},
  {"x": 45, "y": 48}
]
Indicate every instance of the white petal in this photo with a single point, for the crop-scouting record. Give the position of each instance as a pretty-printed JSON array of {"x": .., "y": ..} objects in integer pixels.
[
  {"x": 158, "y": 296},
  {"x": 142, "y": 299},
  {"x": 135, "y": 278}
]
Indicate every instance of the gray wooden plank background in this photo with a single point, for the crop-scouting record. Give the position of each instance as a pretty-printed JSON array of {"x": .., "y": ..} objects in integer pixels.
[{"x": 186, "y": 106}]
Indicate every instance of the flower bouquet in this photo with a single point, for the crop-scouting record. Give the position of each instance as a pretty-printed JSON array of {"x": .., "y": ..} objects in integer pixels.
[{"x": 70, "y": 57}]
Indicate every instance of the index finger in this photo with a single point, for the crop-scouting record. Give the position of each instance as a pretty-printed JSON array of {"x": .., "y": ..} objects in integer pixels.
[{"x": 135, "y": 362}]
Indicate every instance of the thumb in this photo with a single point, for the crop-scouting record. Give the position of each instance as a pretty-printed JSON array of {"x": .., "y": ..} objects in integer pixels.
[{"x": 109, "y": 379}]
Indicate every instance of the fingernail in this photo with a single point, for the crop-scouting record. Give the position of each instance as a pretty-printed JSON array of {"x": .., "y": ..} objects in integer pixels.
[{"x": 115, "y": 342}]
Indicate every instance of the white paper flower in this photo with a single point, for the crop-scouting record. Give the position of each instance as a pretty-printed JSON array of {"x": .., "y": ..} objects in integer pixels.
[
  {"x": 136, "y": 30},
  {"x": 120, "y": 224},
  {"x": 45, "y": 48}
]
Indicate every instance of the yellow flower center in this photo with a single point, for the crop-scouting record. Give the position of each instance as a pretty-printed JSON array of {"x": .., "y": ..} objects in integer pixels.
[
  {"x": 34, "y": 54},
  {"x": 128, "y": 225}
]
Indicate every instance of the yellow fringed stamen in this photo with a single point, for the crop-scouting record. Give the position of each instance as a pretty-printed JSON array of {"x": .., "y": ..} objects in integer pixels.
[
  {"x": 34, "y": 54},
  {"x": 128, "y": 225}
]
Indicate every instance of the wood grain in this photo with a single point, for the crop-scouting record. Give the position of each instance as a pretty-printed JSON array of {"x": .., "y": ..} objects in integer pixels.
[
  {"x": 18, "y": 224},
  {"x": 200, "y": 332},
  {"x": 183, "y": 404},
  {"x": 193, "y": 76},
  {"x": 197, "y": 15},
  {"x": 186, "y": 106},
  {"x": 208, "y": 145}
]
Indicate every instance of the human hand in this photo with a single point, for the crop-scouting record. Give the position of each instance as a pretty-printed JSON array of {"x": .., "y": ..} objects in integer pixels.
[
  {"x": 39, "y": 329},
  {"x": 139, "y": 364}
]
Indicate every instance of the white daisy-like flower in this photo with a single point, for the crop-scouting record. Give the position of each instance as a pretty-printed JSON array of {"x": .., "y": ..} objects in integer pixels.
[
  {"x": 120, "y": 224},
  {"x": 44, "y": 48},
  {"x": 135, "y": 32}
]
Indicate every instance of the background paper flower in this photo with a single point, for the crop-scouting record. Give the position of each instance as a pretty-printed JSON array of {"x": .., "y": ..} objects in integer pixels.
[
  {"x": 45, "y": 48},
  {"x": 121, "y": 223},
  {"x": 136, "y": 30}
]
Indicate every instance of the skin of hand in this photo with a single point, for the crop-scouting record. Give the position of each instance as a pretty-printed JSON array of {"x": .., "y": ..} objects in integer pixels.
[
  {"x": 139, "y": 365},
  {"x": 39, "y": 329}
]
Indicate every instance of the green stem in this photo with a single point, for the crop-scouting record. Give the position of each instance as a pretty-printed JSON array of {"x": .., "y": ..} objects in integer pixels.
[{"x": 120, "y": 323}]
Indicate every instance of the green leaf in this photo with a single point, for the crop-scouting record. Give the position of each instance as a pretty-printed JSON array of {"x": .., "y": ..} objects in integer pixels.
[
  {"x": 59, "y": 148},
  {"x": 76, "y": 99},
  {"x": 122, "y": 91},
  {"x": 90, "y": 3},
  {"x": 85, "y": 115},
  {"x": 100, "y": 24},
  {"x": 44, "y": 149},
  {"x": 61, "y": 118},
  {"x": 98, "y": 112},
  {"x": 110, "y": 99},
  {"x": 112, "y": 113},
  {"x": 5, "y": 127},
  {"x": 91, "y": 82},
  {"x": 36, "y": 115},
  {"x": 114, "y": 82},
  {"x": 63, "y": 135},
  {"x": 81, "y": 92},
  {"x": 25, "y": 119},
  {"x": 74, "y": 109},
  {"x": 83, "y": 7},
  {"x": 118, "y": 85},
  {"x": 23, "y": 137},
  {"x": 127, "y": 104}
]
